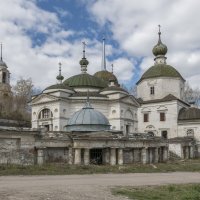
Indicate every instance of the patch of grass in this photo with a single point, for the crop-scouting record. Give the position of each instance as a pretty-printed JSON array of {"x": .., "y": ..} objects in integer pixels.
[
  {"x": 172, "y": 192},
  {"x": 62, "y": 168}
]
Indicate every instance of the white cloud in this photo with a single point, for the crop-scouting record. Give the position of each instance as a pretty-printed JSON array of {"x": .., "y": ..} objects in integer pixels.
[
  {"x": 134, "y": 26},
  {"x": 39, "y": 59},
  {"x": 123, "y": 69}
]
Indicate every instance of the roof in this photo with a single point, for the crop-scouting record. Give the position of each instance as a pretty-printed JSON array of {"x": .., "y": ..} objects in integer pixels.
[
  {"x": 59, "y": 86},
  {"x": 115, "y": 88},
  {"x": 169, "y": 97},
  {"x": 106, "y": 76},
  {"x": 191, "y": 113},
  {"x": 3, "y": 64},
  {"x": 160, "y": 70},
  {"x": 88, "y": 119},
  {"x": 85, "y": 80},
  {"x": 85, "y": 94}
]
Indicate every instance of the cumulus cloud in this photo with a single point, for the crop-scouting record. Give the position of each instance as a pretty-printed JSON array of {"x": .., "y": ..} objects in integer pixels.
[
  {"x": 134, "y": 25},
  {"x": 35, "y": 41}
]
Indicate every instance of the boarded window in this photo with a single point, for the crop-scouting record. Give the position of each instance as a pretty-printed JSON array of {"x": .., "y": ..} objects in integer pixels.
[
  {"x": 162, "y": 116},
  {"x": 146, "y": 117}
]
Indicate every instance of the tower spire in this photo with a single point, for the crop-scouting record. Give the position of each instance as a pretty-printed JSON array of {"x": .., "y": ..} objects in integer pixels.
[
  {"x": 160, "y": 50},
  {"x": 60, "y": 77},
  {"x": 159, "y": 34},
  {"x": 112, "y": 67},
  {"x": 83, "y": 62},
  {"x": 1, "y": 52},
  {"x": 103, "y": 63}
]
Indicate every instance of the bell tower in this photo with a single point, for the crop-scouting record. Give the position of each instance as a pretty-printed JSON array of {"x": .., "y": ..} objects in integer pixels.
[{"x": 5, "y": 88}]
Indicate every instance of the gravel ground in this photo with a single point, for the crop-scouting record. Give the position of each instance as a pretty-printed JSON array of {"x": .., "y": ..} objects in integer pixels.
[{"x": 83, "y": 187}]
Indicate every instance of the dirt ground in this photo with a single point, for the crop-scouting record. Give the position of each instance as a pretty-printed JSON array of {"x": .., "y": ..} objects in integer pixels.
[{"x": 83, "y": 187}]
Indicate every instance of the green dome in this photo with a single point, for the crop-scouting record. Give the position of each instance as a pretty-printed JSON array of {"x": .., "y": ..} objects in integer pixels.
[
  {"x": 106, "y": 76},
  {"x": 83, "y": 61},
  {"x": 85, "y": 80},
  {"x": 60, "y": 77},
  {"x": 59, "y": 86},
  {"x": 160, "y": 70},
  {"x": 159, "y": 49}
]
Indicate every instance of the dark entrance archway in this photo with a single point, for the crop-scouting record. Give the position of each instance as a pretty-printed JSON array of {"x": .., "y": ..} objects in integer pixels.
[{"x": 96, "y": 156}]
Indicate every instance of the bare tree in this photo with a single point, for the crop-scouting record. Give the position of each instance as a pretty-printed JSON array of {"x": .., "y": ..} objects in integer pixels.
[
  {"x": 191, "y": 95},
  {"x": 22, "y": 95}
]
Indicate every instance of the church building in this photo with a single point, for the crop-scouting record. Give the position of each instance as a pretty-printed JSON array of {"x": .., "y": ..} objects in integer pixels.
[{"x": 91, "y": 119}]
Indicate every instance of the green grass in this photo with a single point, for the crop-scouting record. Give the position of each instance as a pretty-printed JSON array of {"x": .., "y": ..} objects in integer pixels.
[
  {"x": 61, "y": 169},
  {"x": 172, "y": 192}
]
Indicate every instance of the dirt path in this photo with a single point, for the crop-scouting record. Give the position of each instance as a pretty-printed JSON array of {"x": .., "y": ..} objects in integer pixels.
[{"x": 82, "y": 187}]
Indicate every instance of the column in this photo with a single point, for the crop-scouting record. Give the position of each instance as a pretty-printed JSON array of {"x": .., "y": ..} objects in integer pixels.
[
  {"x": 136, "y": 155},
  {"x": 77, "y": 157},
  {"x": 107, "y": 156},
  {"x": 191, "y": 152},
  {"x": 165, "y": 154},
  {"x": 150, "y": 155},
  {"x": 156, "y": 155},
  {"x": 198, "y": 151},
  {"x": 144, "y": 156},
  {"x": 187, "y": 152},
  {"x": 113, "y": 156},
  {"x": 86, "y": 156},
  {"x": 70, "y": 156},
  {"x": 120, "y": 156},
  {"x": 40, "y": 156},
  {"x": 182, "y": 152}
]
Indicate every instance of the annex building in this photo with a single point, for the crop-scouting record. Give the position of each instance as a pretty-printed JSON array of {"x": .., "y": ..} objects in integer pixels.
[{"x": 90, "y": 119}]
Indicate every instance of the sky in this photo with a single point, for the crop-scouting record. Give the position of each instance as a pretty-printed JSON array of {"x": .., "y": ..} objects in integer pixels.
[{"x": 38, "y": 34}]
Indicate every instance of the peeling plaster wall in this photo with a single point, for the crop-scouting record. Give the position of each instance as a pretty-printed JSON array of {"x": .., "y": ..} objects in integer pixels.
[
  {"x": 56, "y": 155},
  {"x": 17, "y": 147}
]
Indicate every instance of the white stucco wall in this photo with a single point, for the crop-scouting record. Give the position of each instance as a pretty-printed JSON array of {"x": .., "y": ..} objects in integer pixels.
[
  {"x": 118, "y": 113},
  {"x": 194, "y": 125},
  {"x": 154, "y": 124},
  {"x": 162, "y": 87}
]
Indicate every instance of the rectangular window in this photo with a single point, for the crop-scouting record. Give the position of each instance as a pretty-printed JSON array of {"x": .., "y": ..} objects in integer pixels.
[
  {"x": 146, "y": 117},
  {"x": 162, "y": 116},
  {"x": 164, "y": 134},
  {"x": 152, "y": 90},
  {"x": 4, "y": 77}
]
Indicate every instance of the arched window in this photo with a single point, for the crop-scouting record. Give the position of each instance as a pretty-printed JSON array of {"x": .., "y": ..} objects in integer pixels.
[{"x": 45, "y": 114}]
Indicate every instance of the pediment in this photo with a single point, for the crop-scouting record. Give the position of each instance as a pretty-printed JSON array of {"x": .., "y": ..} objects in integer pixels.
[
  {"x": 43, "y": 98},
  {"x": 130, "y": 100}
]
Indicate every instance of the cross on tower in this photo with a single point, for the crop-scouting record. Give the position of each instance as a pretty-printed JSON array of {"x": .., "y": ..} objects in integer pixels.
[
  {"x": 60, "y": 65},
  {"x": 84, "y": 44},
  {"x": 112, "y": 67}
]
